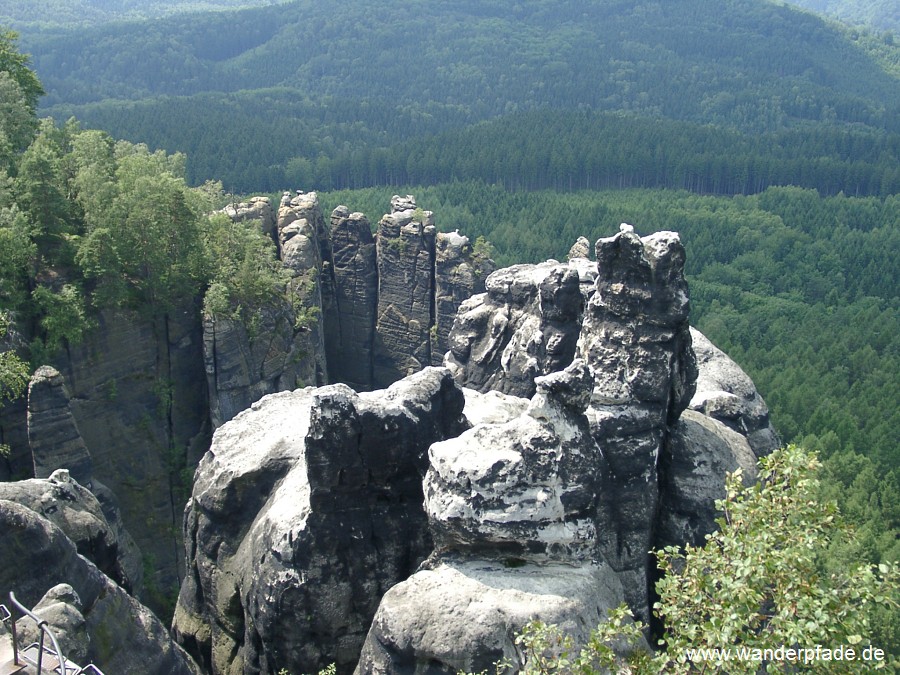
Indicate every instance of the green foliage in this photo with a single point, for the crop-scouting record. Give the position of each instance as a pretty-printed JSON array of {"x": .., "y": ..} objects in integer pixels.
[
  {"x": 63, "y": 315},
  {"x": 763, "y": 581},
  {"x": 247, "y": 273},
  {"x": 14, "y": 372},
  {"x": 230, "y": 84},
  {"x": 142, "y": 244},
  {"x": 16, "y": 64}
]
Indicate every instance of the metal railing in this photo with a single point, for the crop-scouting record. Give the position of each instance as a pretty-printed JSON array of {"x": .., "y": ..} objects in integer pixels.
[{"x": 65, "y": 667}]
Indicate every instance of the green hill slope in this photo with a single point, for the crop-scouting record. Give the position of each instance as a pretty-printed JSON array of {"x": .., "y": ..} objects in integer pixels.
[
  {"x": 744, "y": 63},
  {"x": 880, "y": 14},
  {"x": 57, "y": 13}
]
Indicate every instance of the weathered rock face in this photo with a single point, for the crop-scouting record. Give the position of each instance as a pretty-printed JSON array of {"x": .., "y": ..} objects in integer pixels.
[
  {"x": 284, "y": 346},
  {"x": 459, "y": 273},
  {"x": 116, "y": 632},
  {"x": 513, "y": 505},
  {"x": 52, "y": 432},
  {"x": 635, "y": 337},
  {"x": 78, "y": 514},
  {"x": 138, "y": 397},
  {"x": 692, "y": 468},
  {"x": 526, "y": 325},
  {"x": 350, "y": 346},
  {"x": 405, "y": 249},
  {"x": 307, "y": 508},
  {"x": 57, "y": 446},
  {"x": 461, "y": 615},
  {"x": 527, "y": 488},
  {"x": 727, "y": 394},
  {"x": 257, "y": 209}
]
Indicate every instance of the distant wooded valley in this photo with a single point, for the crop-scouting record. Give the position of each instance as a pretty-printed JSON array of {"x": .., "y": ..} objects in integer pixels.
[{"x": 768, "y": 137}]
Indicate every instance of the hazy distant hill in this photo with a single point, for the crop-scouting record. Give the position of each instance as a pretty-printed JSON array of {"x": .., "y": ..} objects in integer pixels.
[
  {"x": 92, "y": 12},
  {"x": 880, "y": 14},
  {"x": 745, "y": 63}
]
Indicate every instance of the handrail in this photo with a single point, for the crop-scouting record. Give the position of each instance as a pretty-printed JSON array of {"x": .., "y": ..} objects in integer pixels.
[{"x": 44, "y": 628}]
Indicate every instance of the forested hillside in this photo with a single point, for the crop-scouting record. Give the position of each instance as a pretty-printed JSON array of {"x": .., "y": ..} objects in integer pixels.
[
  {"x": 880, "y": 14},
  {"x": 55, "y": 13},
  {"x": 311, "y": 92}
]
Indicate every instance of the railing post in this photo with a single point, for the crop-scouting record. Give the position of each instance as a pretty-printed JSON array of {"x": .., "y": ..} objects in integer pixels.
[{"x": 10, "y": 620}]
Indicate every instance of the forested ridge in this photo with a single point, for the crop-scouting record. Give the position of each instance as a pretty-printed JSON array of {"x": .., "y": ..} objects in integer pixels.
[
  {"x": 304, "y": 92},
  {"x": 881, "y": 14}
]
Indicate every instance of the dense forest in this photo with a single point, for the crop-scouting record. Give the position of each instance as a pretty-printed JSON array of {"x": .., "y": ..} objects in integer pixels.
[
  {"x": 374, "y": 91},
  {"x": 24, "y": 13},
  {"x": 881, "y": 14}
]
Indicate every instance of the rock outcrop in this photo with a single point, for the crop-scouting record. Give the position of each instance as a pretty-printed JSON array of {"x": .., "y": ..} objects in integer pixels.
[
  {"x": 405, "y": 312},
  {"x": 727, "y": 394},
  {"x": 72, "y": 508},
  {"x": 256, "y": 209},
  {"x": 514, "y": 508},
  {"x": 113, "y": 630},
  {"x": 459, "y": 273},
  {"x": 525, "y": 325},
  {"x": 307, "y": 508},
  {"x": 350, "y": 345},
  {"x": 53, "y": 434},
  {"x": 636, "y": 338},
  {"x": 283, "y": 347}
]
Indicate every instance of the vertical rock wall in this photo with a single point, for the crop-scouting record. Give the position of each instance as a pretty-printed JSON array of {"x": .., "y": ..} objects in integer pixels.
[
  {"x": 405, "y": 292},
  {"x": 636, "y": 338},
  {"x": 350, "y": 344}
]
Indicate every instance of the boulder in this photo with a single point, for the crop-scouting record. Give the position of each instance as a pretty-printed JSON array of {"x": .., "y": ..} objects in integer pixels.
[
  {"x": 461, "y": 616},
  {"x": 121, "y": 635},
  {"x": 305, "y": 511},
  {"x": 526, "y": 488}
]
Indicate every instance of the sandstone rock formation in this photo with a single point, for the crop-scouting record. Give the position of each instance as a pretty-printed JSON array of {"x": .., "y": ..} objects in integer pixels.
[
  {"x": 256, "y": 209},
  {"x": 53, "y": 434},
  {"x": 138, "y": 396},
  {"x": 514, "y": 507},
  {"x": 116, "y": 632},
  {"x": 307, "y": 508},
  {"x": 727, "y": 394},
  {"x": 350, "y": 346},
  {"x": 284, "y": 346},
  {"x": 459, "y": 273},
  {"x": 635, "y": 337},
  {"x": 524, "y": 326},
  {"x": 405, "y": 312},
  {"x": 73, "y": 509}
]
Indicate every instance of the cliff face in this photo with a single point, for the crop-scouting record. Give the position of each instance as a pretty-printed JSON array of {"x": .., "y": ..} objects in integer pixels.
[
  {"x": 138, "y": 396},
  {"x": 307, "y": 508}
]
